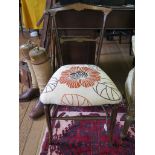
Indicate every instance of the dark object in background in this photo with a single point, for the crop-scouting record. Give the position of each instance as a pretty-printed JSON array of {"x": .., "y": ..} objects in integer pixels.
[
  {"x": 130, "y": 2},
  {"x": 64, "y": 2},
  {"x": 68, "y": 19},
  {"x": 77, "y": 52},
  {"x": 100, "y": 2},
  {"x": 105, "y": 2}
]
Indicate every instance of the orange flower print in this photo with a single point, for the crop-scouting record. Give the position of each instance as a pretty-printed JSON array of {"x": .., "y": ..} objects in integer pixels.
[{"x": 79, "y": 76}]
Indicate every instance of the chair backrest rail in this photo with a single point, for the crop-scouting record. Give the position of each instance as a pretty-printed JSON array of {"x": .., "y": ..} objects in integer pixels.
[{"x": 79, "y": 7}]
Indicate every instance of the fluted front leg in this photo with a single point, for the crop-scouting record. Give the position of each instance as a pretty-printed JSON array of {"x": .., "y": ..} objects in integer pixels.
[{"x": 47, "y": 108}]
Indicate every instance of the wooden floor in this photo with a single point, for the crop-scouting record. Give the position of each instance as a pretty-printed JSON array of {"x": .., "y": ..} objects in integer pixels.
[
  {"x": 30, "y": 132},
  {"x": 115, "y": 61}
]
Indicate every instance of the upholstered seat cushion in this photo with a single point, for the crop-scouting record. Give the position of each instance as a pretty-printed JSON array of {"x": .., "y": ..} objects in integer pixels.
[{"x": 80, "y": 85}]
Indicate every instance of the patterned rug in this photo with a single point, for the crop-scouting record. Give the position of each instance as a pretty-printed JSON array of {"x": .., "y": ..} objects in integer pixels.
[{"x": 87, "y": 137}]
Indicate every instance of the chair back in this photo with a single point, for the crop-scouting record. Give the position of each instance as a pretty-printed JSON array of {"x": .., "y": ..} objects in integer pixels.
[{"x": 78, "y": 30}]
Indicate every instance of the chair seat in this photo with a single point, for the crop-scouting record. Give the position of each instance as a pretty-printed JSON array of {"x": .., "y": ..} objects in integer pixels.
[{"x": 80, "y": 85}]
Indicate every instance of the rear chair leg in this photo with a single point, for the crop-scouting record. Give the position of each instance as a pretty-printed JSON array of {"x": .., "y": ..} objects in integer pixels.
[
  {"x": 128, "y": 121},
  {"x": 113, "y": 120}
]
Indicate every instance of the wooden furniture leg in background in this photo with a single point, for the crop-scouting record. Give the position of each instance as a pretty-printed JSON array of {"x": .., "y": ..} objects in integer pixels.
[{"x": 20, "y": 16}]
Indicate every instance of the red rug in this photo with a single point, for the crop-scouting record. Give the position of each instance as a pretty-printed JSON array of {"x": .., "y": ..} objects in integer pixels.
[{"x": 87, "y": 137}]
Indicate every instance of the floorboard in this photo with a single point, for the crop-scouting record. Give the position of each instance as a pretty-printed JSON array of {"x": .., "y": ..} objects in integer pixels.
[
  {"x": 41, "y": 137},
  {"x": 23, "y": 105},
  {"x": 22, "y": 111},
  {"x": 25, "y": 128},
  {"x": 34, "y": 137}
]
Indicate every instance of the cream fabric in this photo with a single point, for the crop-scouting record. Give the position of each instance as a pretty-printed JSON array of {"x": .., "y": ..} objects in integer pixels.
[
  {"x": 80, "y": 85},
  {"x": 43, "y": 73},
  {"x": 129, "y": 85},
  {"x": 33, "y": 77}
]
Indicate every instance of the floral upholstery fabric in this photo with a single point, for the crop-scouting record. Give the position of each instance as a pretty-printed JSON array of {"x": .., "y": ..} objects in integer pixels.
[{"x": 80, "y": 85}]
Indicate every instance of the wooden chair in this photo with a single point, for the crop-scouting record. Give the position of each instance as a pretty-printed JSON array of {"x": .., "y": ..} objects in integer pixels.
[
  {"x": 130, "y": 98},
  {"x": 80, "y": 84}
]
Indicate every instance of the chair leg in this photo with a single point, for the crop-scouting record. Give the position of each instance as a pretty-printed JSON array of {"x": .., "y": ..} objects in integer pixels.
[
  {"x": 127, "y": 123},
  {"x": 47, "y": 108},
  {"x": 113, "y": 120},
  {"x": 130, "y": 42},
  {"x": 133, "y": 62},
  {"x": 120, "y": 38},
  {"x": 20, "y": 17},
  {"x": 130, "y": 46}
]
